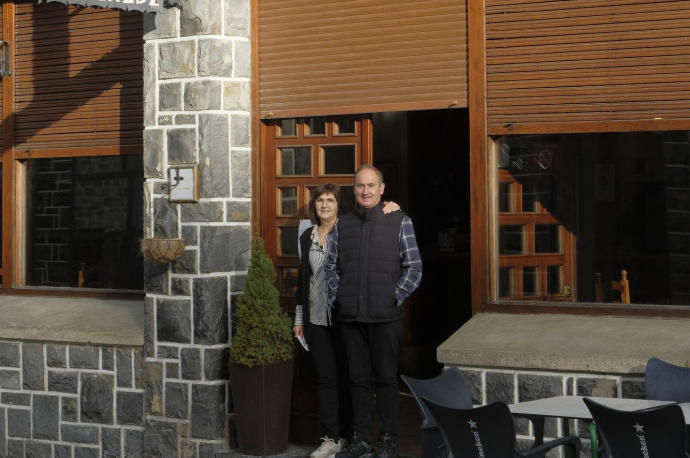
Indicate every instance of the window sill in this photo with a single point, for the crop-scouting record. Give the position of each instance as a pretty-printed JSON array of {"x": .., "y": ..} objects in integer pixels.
[
  {"x": 569, "y": 343},
  {"x": 72, "y": 320}
]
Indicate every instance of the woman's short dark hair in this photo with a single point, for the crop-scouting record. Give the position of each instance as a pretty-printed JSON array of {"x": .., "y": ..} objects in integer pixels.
[{"x": 326, "y": 188}]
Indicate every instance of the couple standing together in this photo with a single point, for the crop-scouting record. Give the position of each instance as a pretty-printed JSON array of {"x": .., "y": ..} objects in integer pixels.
[{"x": 355, "y": 273}]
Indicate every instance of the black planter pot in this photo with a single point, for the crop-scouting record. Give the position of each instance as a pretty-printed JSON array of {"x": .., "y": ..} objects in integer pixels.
[{"x": 261, "y": 396}]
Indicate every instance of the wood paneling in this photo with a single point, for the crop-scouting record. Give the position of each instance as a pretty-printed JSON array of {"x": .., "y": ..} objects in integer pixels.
[
  {"x": 578, "y": 62},
  {"x": 350, "y": 56},
  {"x": 78, "y": 77}
]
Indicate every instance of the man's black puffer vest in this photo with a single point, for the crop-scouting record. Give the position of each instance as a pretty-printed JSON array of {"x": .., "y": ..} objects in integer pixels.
[{"x": 369, "y": 264}]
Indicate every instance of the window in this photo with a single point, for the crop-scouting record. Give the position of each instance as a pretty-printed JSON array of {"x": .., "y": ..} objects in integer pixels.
[{"x": 571, "y": 209}]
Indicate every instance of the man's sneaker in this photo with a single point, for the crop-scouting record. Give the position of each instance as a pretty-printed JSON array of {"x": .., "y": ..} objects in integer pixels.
[
  {"x": 357, "y": 448},
  {"x": 328, "y": 448},
  {"x": 387, "y": 446}
]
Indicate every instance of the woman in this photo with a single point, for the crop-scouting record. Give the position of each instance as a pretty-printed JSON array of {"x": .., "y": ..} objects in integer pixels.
[{"x": 314, "y": 322}]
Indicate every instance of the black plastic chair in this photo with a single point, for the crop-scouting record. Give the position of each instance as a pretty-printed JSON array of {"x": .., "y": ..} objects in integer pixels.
[
  {"x": 667, "y": 382},
  {"x": 657, "y": 432},
  {"x": 487, "y": 431},
  {"x": 448, "y": 389}
]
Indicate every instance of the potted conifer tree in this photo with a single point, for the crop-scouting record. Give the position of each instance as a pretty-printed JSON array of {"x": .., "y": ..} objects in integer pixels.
[{"x": 261, "y": 360}]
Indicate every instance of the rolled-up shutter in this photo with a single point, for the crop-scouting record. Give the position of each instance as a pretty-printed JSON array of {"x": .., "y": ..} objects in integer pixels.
[
  {"x": 586, "y": 61},
  {"x": 78, "y": 77},
  {"x": 350, "y": 56}
]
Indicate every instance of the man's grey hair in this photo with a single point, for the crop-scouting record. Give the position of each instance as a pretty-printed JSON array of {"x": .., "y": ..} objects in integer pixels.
[{"x": 370, "y": 167}]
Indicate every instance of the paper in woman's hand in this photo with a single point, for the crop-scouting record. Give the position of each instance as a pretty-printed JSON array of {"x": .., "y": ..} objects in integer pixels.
[{"x": 303, "y": 342}]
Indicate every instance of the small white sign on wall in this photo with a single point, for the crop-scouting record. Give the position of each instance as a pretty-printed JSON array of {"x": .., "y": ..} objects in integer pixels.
[{"x": 184, "y": 183}]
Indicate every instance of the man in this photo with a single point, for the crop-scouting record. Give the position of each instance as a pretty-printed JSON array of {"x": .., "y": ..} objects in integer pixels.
[{"x": 373, "y": 265}]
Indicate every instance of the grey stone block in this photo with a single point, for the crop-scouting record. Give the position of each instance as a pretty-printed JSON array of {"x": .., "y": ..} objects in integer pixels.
[
  {"x": 208, "y": 408},
  {"x": 598, "y": 387},
  {"x": 633, "y": 389},
  {"x": 70, "y": 408},
  {"x": 202, "y": 212},
  {"x": 97, "y": 398},
  {"x": 124, "y": 368},
  {"x": 170, "y": 96},
  {"x": 56, "y": 355},
  {"x": 83, "y": 357},
  {"x": 176, "y": 400},
  {"x": 177, "y": 59},
  {"x": 531, "y": 387},
  {"x": 224, "y": 249},
  {"x": 208, "y": 450},
  {"x": 37, "y": 449},
  {"x": 182, "y": 145},
  {"x": 214, "y": 163},
  {"x": 138, "y": 369},
  {"x": 243, "y": 59},
  {"x": 216, "y": 363},
  {"x": 237, "y": 96},
  {"x": 180, "y": 287},
  {"x": 18, "y": 423},
  {"x": 239, "y": 212},
  {"x": 148, "y": 213},
  {"x": 80, "y": 434},
  {"x": 185, "y": 119},
  {"x": 17, "y": 399},
  {"x": 134, "y": 443},
  {"x": 154, "y": 150},
  {"x": 166, "y": 120},
  {"x": 215, "y": 57},
  {"x": 172, "y": 369},
  {"x": 160, "y": 438},
  {"x": 500, "y": 387},
  {"x": 237, "y": 15},
  {"x": 149, "y": 65},
  {"x": 237, "y": 283},
  {"x": 189, "y": 448},
  {"x": 110, "y": 442},
  {"x": 241, "y": 131},
  {"x": 200, "y": 17},
  {"x": 33, "y": 377},
  {"x": 173, "y": 319},
  {"x": 164, "y": 226},
  {"x": 107, "y": 359},
  {"x": 9, "y": 354},
  {"x": 153, "y": 384},
  {"x": 162, "y": 24},
  {"x": 187, "y": 263},
  {"x": 190, "y": 234},
  {"x": 64, "y": 382},
  {"x": 130, "y": 408},
  {"x": 62, "y": 451},
  {"x": 15, "y": 448},
  {"x": 210, "y": 310},
  {"x": 9, "y": 379},
  {"x": 46, "y": 417},
  {"x": 149, "y": 327},
  {"x": 203, "y": 95},
  {"x": 240, "y": 166},
  {"x": 190, "y": 361},
  {"x": 474, "y": 383},
  {"x": 168, "y": 352},
  {"x": 85, "y": 452}
]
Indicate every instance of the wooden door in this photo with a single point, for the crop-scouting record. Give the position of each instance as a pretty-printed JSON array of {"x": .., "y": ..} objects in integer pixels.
[
  {"x": 536, "y": 237},
  {"x": 299, "y": 154}
]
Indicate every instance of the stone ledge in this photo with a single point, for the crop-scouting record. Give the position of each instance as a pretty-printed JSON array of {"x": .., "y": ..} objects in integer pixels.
[
  {"x": 72, "y": 320},
  {"x": 568, "y": 343}
]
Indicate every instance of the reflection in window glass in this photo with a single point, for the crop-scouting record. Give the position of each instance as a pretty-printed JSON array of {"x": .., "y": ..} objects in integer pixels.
[
  {"x": 511, "y": 239},
  {"x": 295, "y": 160},
  {"x": 529, "y": 280},
  {"x": 504, "y": 198},
  {"x": 288, "y": 127},
  {"x": 344, "y": 125},
  {"x": 553, "y": 279},
  {"x": 317, "y": 126},
  {"x": 288, "y": 201},
  {"x": 339, "y": 159},
  {"x": 505, "y": 282},
  {"x": 288, "y": 240},
  {"x": 288, "y": 281},
  {"x": 546, "y": 238},
  {"x": 85, "y": 222}
]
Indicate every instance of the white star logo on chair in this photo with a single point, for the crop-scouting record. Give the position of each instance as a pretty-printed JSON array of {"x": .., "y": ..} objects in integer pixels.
[
  {"x": 638, "y": 427},
  {"x": 472, "y": 423}
]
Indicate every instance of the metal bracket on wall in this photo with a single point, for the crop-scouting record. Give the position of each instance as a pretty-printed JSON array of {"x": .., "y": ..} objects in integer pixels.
[{"x": 5, "y": 59}]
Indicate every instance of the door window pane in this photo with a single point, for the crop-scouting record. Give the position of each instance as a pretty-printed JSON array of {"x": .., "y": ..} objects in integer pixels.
[
  {"x": 338, "y": 159},
  {"x": 511, "y": 239},
  {"x": 288, "y": 201},
  {"x": 295, "y": 160},
  {"x": 287, "y": 127},
  {"x": 530, "y": 278},
  {"x": 344, "y": 125},
  {"x": 288, "y": 281},
  {"x": 316, "y": 126},
  {"x": 553, "y": 279},
  {"x": 546, "y": 238},
  {"x": 287, "y": 239},
  {"x": 505, "y": 282},
  {"x": 505, "y": 198}
]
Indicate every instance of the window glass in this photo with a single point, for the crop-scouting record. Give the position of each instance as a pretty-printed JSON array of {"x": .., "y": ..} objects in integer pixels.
[
  {"x": 85, "y": 222},
  {"x": 316, "y": 126},
  {"x": 287, "y": 237},
  {"x": 344, "y": 125},
  {"x": 338, "y": 159},
  {"x": 287, "y": 127},
  {"x": 591, "y": 206},
  {"x": 288, "y": 201},
  {"x": 295, "y": 160}
]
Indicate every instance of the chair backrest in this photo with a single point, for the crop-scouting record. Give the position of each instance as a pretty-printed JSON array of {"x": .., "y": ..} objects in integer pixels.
[
  {"x": 621, "y": 288},
  {"x": 666, "y": 381},
  {"x": 448, "y": 389},
  {"x": 658, "y": 432},
  {"x": 485, "y": 431}
]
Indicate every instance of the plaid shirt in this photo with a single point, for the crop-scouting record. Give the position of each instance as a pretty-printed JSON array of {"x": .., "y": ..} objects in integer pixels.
[{"x": 410, "y": 261}]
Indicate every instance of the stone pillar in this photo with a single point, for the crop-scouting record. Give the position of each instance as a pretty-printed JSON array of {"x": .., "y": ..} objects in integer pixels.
[{"x": 197, "y": 106}]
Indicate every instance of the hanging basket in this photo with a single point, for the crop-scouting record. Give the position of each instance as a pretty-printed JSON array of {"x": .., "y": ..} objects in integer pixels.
[{"x": 162, "y": 250}]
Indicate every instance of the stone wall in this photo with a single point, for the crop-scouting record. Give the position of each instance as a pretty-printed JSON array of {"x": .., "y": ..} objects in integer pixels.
[
  {"x": 197, "y": 111},
  {"x": 510, "y": 386},
  {"x": 70, "y": 401}
]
